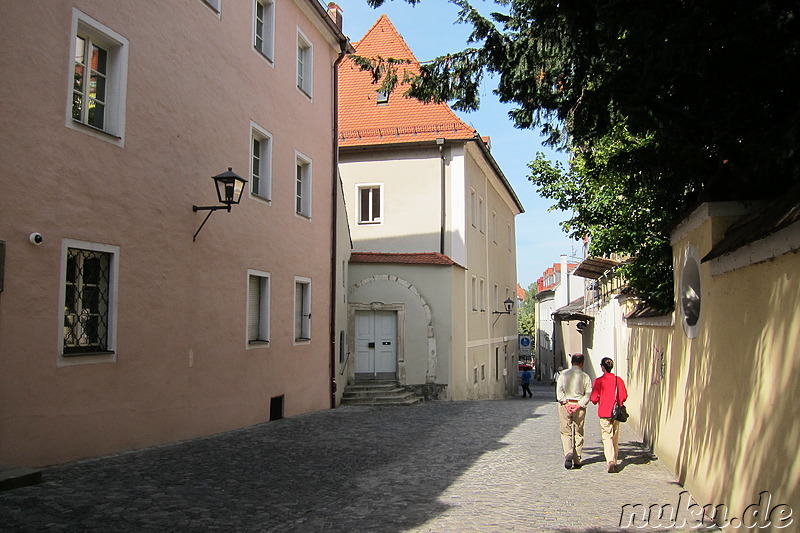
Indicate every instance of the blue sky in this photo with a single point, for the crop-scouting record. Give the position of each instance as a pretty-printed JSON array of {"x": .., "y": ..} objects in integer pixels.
[{"x": 429, "y": 30}]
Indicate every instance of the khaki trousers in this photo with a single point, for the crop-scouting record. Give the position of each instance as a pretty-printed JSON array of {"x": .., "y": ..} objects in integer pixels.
[
  {"x": 610, "y": 430},
  {"x": 566, "y": 420}
]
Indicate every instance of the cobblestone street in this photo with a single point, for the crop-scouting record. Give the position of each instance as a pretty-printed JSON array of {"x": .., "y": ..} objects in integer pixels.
[{"x": 436, "y": 467}]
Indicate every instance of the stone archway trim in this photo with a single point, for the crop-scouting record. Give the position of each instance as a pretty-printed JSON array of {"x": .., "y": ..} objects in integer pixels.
[{"x": 430, "y": 374}]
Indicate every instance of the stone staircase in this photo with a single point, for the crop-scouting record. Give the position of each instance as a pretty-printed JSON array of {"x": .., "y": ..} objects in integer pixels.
[{"x": 378, "y": 393}]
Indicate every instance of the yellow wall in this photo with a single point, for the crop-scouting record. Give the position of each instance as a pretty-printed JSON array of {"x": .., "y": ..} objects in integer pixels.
[{"x": 725, "y": 416}]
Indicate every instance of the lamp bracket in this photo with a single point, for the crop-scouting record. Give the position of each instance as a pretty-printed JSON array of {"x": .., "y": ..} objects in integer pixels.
[
  {"x": 210, "y": 209},
  {"x": 197, "y": 208}
]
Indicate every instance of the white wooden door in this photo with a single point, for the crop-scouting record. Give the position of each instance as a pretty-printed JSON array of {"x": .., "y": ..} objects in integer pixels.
[{"x": 376, "y": 344}]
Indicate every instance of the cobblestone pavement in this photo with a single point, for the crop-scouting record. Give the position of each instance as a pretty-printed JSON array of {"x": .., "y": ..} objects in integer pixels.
[{"x": 436, "y": 467}]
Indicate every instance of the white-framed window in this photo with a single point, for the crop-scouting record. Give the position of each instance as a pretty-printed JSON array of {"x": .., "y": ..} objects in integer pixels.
[
  {"x": 216, "y": 5},
  {"x": 370, "y": 202},
  {"x": 473, "y": 209},
  {"x": 482, "y": 294},
  {"x": 88, "y": 293},
  {"x": 302, "y": 309},
  {"x": 481, "y": 215},
  {"x": 474, "y": 293},
  {"x": 302, "y": 201},
  {"x": 494, "y": 227},
  {"x": 98, "y": 79},
  {"x": 497, "y": 305},
  {"x": 260, "y": 162},
  {"x": 264, "y": 27},
  {"x": 305, "y": 63},
  {"x": 258, "y": 298}
]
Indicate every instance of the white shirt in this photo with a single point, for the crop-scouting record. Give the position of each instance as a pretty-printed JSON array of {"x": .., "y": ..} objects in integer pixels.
[{"x": 574, "y": 384}]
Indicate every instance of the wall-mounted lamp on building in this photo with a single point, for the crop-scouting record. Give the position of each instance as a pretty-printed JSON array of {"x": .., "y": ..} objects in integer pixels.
[
  {"x": 508, "y": 304},
  {"x": 230, "y": 187}
]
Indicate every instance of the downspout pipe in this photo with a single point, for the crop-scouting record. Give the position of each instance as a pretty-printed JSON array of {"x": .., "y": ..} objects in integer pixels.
[
  {"x": 443, "y": 207},
  {"x": 344, "y": 48}
]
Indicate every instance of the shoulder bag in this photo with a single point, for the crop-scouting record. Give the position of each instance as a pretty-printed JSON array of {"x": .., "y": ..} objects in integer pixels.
[{"x": 619, "y": 412}]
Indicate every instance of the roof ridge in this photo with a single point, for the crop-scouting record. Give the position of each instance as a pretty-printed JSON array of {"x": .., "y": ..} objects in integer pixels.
[{"x": 386, "y": 21}]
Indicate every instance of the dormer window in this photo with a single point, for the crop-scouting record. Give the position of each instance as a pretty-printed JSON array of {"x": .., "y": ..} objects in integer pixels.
[{"x": 383, "y": 98}]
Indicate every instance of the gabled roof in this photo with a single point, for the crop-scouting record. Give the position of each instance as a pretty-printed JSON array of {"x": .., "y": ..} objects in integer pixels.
[{"x": 363, "y": 122}]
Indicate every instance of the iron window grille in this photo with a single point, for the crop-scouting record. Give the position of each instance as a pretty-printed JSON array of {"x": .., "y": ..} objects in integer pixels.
[{"x": 86, "y": 302}]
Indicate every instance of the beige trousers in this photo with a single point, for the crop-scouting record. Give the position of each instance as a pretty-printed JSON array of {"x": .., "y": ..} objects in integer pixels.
[
  {"x": 566, "y": 420},
  {"x": 610, "y": 430}
]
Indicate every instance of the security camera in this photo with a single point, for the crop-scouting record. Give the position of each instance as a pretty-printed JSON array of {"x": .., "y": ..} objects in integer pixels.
[{"x": 36, "y": 238}]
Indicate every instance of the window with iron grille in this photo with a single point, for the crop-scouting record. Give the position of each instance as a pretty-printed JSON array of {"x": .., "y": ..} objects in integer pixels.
[{"x": 87, "y": 302}]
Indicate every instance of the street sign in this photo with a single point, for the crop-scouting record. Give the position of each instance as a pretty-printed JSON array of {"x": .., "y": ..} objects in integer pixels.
[{"x": 525, "y": 345}]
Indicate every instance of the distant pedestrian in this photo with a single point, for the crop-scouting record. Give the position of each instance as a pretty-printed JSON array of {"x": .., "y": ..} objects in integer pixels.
[
  {"x": 526, "y": 383},
  {"x": 573, "y": 390},
  {"x": 607, "y": 390},
  {"x": 556, "y": 374}
]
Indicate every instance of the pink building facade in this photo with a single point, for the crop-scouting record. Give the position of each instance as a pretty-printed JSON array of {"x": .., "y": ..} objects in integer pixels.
[{"x": 117, "y": 330}]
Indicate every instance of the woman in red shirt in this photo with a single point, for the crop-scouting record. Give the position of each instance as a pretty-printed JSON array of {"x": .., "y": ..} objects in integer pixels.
[{"x": 605, "y": 390}]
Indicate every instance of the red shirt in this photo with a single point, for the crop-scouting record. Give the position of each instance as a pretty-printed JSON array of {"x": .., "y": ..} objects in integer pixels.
[{"x": 603, "y": 391}]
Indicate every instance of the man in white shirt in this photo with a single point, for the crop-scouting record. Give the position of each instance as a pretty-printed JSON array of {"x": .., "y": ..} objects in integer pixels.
[{"x": 573, "y": 390}]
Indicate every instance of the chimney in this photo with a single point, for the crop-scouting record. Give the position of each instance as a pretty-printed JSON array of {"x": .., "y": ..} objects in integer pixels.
[{"x": 335, "y": 13}]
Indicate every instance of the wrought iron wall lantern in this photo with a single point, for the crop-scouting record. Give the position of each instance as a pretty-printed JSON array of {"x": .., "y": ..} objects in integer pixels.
[
  {"x": 508, "y": 304},
  {"x": 230, "y": 187}
]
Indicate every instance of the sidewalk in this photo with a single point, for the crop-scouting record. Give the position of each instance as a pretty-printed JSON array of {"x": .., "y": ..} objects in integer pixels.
[{"x": 437, "y": 467}]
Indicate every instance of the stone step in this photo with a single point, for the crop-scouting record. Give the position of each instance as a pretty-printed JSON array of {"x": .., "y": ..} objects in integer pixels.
[
  {"x": 352, "y": 400},
  {"x": 14, "y": 477},
  {"x": 413, "y": 400},
  {"x": 372, "y": 385},
  {"x": 373, "y": 392},
  {"x": 378, "y": 393}
]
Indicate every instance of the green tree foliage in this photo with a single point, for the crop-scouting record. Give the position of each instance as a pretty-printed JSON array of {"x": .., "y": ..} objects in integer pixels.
[
  {"x": 526, "y": 315},
  {"x": 660, "y": 104}
]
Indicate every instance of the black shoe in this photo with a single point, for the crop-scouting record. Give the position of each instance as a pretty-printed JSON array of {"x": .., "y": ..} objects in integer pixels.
[
  {"x": 577, "y": 463},
  {"x": 568, "y": 461}
]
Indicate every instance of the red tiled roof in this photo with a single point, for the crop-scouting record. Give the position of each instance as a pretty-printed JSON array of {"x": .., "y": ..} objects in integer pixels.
[
  {"x": 362, "y": 121},
  {"x": 418, "y": 258}
]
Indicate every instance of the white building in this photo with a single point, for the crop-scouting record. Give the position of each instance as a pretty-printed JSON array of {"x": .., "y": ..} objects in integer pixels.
[
  {"x": 432, "y": 222},
  {"x": 557, "y": 288}
]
